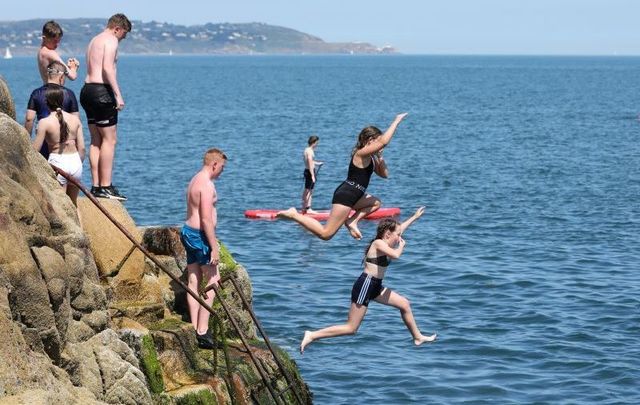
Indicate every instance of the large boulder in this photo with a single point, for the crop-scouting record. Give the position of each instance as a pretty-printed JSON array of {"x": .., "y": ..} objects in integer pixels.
[
  {"x": 117, "y": 258},
  {"x": 109, "y": 368},
  {"x": 7, "y": 105},
  {"x": 34, "y": 214},
  {"x": 65, "y": 291},
  {"x": 112, "y": 250},
  {"x": 52, "y": 306},
  {"x": 28, "y": 376}
]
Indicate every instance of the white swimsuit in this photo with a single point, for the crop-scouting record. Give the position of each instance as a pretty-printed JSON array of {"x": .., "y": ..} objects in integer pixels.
[{"x": 69, "y": 162}]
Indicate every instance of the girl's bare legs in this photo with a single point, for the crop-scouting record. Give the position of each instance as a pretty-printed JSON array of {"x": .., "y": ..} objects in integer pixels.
[
  {"x": 389, "y": 297},
  {"x": 365, "y": 206},
  {"x": 338, "y": 215},
  {"x": 356, "y": 314},
  {"x": 72, "y": 191}
]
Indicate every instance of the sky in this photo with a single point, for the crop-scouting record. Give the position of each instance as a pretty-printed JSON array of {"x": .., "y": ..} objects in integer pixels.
[{"x": 523, "y": 27}]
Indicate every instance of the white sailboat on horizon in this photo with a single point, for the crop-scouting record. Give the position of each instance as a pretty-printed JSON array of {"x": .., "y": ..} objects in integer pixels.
[{"x": 7, "y": 53}]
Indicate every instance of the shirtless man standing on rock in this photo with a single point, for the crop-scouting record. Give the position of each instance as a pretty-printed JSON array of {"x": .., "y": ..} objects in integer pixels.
[
  {"x": 101, "y": 99},
  {"x": 198, "y": 235},
  {"x": 51, "y": 37}
]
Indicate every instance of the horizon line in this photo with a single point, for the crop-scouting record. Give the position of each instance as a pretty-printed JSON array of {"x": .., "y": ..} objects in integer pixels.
[{"x": 381, "y": 55}]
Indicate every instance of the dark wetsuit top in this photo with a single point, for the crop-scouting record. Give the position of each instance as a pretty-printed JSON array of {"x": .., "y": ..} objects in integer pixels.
[
  {"x": 38, "y": 102},
  {"x": 353, "y": 188}
]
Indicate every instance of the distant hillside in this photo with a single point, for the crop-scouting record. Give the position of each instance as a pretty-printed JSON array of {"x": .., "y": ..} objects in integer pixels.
[{"x": 23, "y": 38}]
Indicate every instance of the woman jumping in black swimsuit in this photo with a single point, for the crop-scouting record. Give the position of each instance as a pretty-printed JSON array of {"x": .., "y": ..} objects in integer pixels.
[
  {"x": 369, "y": 285},
  {"x": 351, "y": 194}
]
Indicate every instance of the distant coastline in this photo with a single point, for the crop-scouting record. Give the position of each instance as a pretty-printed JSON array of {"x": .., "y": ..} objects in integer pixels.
[{"x": 161, "y": 38}]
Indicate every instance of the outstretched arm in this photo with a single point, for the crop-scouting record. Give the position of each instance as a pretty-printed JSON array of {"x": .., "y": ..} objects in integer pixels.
[
  {"x": 383, "y": 140},
  {"x": 411, "y": 219}
]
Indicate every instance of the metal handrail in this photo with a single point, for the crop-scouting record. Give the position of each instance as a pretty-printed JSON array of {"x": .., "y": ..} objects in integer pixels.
[
  {"x": 245, "y": 302},
  {"x": 189, "y": 291}
]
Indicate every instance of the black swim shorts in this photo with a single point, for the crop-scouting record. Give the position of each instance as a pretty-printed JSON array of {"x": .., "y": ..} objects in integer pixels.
[
  {"x": 365, "y": 289},
  {"x": 308, "y": 183},
  {"x": 348, "y": 193},
  {"x": 99, "y": 102}
]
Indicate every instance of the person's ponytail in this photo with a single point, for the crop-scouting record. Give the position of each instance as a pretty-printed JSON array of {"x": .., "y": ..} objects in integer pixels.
[
  {"x": 54, "y": 97},
  {"x": 64, "y": 129}
]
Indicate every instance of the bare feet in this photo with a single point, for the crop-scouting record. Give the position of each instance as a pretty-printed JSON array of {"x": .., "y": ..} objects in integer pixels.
[
  {"x": 305, "y": 341},
  {"x": 424, "y": 339},
  {"x": 310, "y": 211},
  {"x": 353, "y": 230},
  {"x": 288, "y": 214}
]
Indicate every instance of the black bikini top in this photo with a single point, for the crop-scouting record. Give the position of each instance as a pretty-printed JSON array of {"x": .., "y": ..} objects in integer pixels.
[{"x": 380, "y": 260}]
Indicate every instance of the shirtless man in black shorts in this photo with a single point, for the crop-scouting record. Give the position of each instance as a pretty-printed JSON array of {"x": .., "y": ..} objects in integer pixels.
[{"x": 101, "y": 99}]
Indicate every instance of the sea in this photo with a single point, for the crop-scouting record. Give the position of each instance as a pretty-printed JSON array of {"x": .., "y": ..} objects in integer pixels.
[{"x": 526, "y": 261}]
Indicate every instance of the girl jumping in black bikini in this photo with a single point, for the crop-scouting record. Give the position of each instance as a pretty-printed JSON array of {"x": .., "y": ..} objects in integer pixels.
[
  {"x": 351, "y": 194},
  {"x": 369, "y": 285}
]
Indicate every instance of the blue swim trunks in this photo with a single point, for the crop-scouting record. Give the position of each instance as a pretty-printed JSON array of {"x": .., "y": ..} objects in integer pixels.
[{"x": 196, "y": 245}]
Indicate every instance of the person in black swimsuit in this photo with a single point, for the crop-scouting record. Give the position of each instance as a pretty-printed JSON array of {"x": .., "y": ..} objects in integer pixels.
[
  {"x": 351, "y": 194},
  {"x": 369, "y": 285}
]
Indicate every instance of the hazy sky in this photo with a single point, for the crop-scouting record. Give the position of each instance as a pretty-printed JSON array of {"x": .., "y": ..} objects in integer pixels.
[{"x": 583, "y": 27}]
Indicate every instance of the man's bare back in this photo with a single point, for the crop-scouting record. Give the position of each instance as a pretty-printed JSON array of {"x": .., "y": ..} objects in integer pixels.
[
  {"x": 201, "y": 191},
  {"x": 102, "y": 56},
  {"x": 101, "y": 44}
]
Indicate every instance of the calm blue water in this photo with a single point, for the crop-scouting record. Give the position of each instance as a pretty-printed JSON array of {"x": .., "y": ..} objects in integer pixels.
[{"x": 525, "y": 263}]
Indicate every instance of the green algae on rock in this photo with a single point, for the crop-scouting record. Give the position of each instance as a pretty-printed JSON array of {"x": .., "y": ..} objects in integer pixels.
[{"x": 151, "y": 365}]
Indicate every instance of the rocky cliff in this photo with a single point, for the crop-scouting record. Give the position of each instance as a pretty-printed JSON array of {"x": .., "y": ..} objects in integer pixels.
[{"x": 85, "y": 318}]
